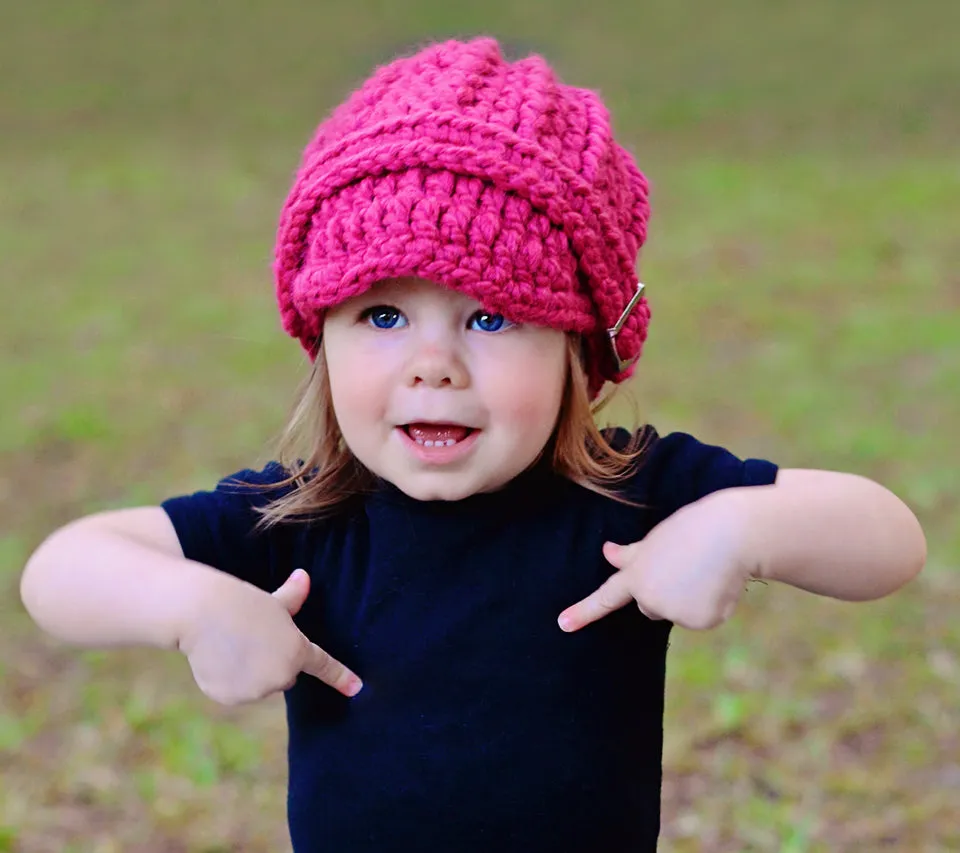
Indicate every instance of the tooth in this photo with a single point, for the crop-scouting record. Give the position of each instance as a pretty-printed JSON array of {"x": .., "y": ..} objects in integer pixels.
[
  {"x": 429, "y": 442},
  {"x": 451, "y": 442},
  {"x": 418, "y": 440}
]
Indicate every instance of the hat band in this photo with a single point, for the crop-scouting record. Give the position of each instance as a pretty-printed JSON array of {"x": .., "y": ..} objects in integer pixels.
[{"x": 624, "y": 363}]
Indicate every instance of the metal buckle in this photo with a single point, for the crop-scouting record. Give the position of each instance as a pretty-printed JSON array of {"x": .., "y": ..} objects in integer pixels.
[{"x": 623, "y": 364}]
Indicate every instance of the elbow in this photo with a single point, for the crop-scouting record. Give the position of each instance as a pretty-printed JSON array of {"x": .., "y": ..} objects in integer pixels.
[
  {"x": 30, "y": 587},
  {"x": 894, "y": 547},
  {"x": 909, "y": 545},
  {"x": 917, "y": 558},
  {"x": 39, "y": 579},
  {"x": 31, "y": 579}
]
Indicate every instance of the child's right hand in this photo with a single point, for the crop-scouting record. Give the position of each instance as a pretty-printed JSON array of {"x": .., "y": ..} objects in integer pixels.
[{"x": 245, "y": 645}]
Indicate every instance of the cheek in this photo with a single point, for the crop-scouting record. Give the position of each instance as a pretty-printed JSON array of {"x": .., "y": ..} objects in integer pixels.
[
  {"x": 532, "y": 396},
  {"x": 536, "y": 403},
  {"x": 354, "y": 385}
]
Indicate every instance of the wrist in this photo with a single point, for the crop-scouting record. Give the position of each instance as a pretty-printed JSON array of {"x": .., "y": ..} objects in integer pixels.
[
  {"x": 747, "y": 511},
  {"x": 194, "y": 596}
]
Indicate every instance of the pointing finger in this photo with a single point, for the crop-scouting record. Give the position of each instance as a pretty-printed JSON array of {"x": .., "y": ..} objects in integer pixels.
[
  {"x": 329, "y": 670},
  {"x": 611, "y": 595}
]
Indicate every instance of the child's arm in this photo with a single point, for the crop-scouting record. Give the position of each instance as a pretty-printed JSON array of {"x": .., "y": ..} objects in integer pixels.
[
  {"x": 121, "y": 578},
  {"x": 833, "y": 534},
  {"x": 118, "y": 578}
]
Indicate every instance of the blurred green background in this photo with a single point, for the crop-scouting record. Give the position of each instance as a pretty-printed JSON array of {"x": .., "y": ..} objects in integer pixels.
[{"x": 803, "y": 270}]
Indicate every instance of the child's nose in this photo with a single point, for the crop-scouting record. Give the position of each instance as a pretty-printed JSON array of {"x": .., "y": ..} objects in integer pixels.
[{"x": 438, "y": 365}]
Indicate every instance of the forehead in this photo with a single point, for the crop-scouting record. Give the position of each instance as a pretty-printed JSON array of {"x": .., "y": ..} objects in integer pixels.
[{"x": 410, "y": 287}]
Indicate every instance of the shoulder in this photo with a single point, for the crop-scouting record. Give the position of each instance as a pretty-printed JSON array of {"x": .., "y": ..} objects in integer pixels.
[
  {"x": 259, "y": 485},
  {"x": 240, "y": 495},
  {"x": 219, "y": 526},
  {"x": 677, "y": 469}
]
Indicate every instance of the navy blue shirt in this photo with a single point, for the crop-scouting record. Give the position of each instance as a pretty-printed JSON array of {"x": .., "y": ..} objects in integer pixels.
[{"x": 481, "y": 725}]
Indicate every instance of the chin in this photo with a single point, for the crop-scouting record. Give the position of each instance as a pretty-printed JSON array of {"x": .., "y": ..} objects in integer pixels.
[
  {"x": 436, "y": 491},
  {"x": 434, "y": 494}
]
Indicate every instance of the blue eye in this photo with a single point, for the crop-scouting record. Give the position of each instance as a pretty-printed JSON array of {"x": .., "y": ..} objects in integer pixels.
[
  {"x": 384, "y": 317},
  {"x": 484, "y": 321}
]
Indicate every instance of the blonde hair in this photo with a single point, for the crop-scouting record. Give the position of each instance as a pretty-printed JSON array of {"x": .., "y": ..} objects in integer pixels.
[{"x": 323, "y": 474}]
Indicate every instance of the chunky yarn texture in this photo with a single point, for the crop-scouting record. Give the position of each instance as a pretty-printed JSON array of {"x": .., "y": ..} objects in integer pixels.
[{"x": 490, "y": 177}]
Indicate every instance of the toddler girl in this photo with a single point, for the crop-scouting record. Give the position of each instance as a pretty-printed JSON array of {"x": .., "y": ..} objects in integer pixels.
[{"x": 457, "y": 257}]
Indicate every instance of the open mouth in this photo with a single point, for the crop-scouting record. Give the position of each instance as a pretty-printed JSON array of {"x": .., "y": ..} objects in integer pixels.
[{"x": 437, "y": 435}]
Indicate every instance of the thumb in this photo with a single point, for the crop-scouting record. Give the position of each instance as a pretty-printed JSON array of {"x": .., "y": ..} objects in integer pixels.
[
  {"x": 617, "y": 555},
  {"x": 294, "y": 591}
]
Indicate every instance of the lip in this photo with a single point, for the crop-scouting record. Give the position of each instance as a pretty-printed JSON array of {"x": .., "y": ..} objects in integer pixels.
[{"x": 438, "y": 455}]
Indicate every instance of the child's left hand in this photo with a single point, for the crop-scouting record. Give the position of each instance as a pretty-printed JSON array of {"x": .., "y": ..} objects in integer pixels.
[{"x": 691, "y": 569}]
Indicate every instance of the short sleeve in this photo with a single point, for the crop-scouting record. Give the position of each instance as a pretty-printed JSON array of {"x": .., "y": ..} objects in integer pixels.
[
  {"x": 218, "y": 528},
  {"x": 677, "y": 470}
]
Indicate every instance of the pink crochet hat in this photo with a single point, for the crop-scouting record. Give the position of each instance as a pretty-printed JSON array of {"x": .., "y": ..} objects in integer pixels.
[{"x": 486, "y": 176}]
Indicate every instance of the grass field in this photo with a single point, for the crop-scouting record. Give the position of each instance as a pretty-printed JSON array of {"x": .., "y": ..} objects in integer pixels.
[{"x": 803, "y": 270}]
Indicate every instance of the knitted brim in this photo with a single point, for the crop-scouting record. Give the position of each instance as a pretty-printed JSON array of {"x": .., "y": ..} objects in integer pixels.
[{"x": 457, "y": 231}]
